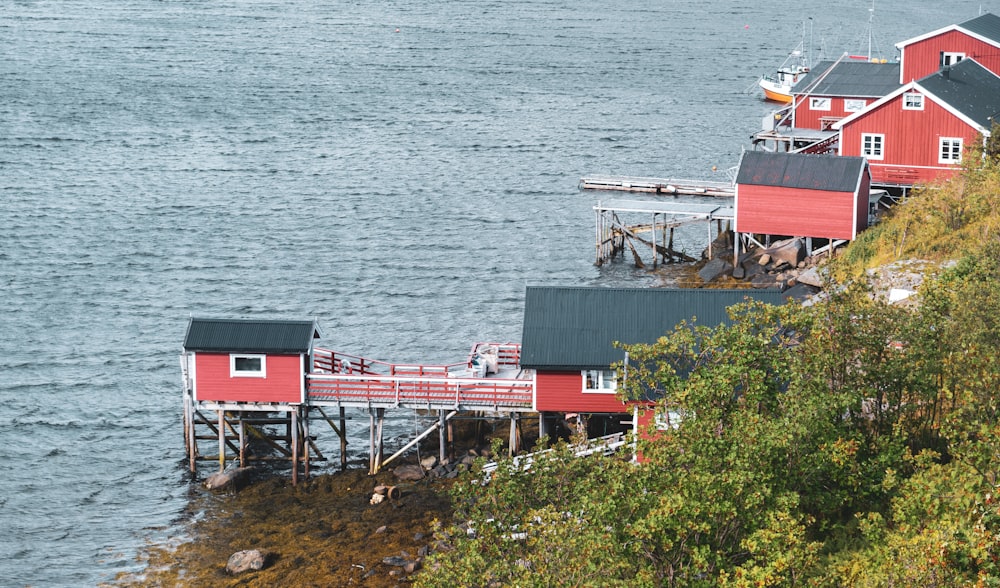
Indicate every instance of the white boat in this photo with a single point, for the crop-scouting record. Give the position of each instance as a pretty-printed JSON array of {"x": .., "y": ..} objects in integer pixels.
[{"x": 778, "y": 86}]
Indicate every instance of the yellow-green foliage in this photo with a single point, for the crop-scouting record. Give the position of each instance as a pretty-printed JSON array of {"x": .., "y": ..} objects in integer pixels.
[{"x": 938, "y": 222}]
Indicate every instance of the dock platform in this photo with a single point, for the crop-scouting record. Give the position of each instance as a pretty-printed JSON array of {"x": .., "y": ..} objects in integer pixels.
[
  {"x": 615, "y": 234},
  {"x": 674, "y": 187}
]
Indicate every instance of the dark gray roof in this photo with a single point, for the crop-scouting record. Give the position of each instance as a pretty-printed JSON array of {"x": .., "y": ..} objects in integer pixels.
[
  {"x": 573, "y": 328},
  {"x": 986, "y": 25},
  {"x": 794, "y": 170},
  {"x": 861, "y": 79},
  {"x": 250, "y": 336},
  {"x": 969, "y": 88}
]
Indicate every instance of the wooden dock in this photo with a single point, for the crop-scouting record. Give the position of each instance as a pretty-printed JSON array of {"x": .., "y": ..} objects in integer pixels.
[
  {"x": 614, "y": 234},
  {"x": 674, "y": 187}
]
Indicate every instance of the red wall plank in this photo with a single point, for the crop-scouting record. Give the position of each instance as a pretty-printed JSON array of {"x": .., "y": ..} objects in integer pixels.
[
  {"x": 771, "y": 210},
  {"x": 924, "y": 57},
  {"x": 563, "y": 392},
  {"x": 282, "y": 384},
  {"x": 911, "y": 140}
]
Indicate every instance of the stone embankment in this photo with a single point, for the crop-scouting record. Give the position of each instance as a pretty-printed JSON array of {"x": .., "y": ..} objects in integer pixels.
[{"x": 784, "y": 265}]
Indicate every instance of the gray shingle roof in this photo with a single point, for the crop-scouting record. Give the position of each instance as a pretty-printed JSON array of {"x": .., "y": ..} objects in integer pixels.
[
  {"x": 858, "y": 79},
  {"x": 574, "y": 328},
  {"x": 795, "y": 170},
  {"x": 986, "y": 25},
  {"x": 969, "y": 88},
  {"x": 250, "y": 336}
]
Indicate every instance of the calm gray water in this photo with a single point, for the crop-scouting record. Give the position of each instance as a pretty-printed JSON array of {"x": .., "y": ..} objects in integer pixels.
[{"x": 304, "y": 158}]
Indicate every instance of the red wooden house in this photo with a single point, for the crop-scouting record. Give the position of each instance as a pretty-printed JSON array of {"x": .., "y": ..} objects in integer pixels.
[
  {"x": 836, "y": 89},
  {"x": 978, "y": 38},
  {"x": 796, "y": 195},
  {"x": 569, "y": 335},
  {"x": 249, "y": 360},
  {"x": 918, "y": 133}
]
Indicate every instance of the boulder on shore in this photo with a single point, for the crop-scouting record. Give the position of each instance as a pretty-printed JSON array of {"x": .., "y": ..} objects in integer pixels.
[
  {"x": 790, "y": 251},
  {"x": 410, "y": 473},
  {"x": 714, "y": 269},
  {"x": 244, "y": 561}
]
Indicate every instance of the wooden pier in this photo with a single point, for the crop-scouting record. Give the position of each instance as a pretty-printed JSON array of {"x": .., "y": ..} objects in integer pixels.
[
  {"x": 674, "y": 187},
  {"x": 614, "y": 234},
  {"x": 490, "y": 381}
]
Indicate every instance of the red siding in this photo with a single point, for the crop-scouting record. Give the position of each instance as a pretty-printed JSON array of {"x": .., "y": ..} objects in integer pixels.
[
  {"x": 795, "y": 212},
  {"x": 810, "y": 119},
  {"x": 563, "y": 392},
  {"x": 282, "y": 384},
  {"x": 862, "y": 208},
  {"x": 911, "y": 141},
  {"x": 924, "y": 57}
]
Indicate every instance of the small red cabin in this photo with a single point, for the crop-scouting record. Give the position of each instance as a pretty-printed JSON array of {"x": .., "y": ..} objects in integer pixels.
[
  {"x": 978, "y": 38},
  {"x": 836, "y": 89},
  {"x": 569, "y": 336},
  {"x": 796, "y": 195},
  {"x": 249, "y": 360},
  {"x": 919, "y": 132}
]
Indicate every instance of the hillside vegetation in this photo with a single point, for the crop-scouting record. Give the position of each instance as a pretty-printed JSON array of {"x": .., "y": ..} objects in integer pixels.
[{"x": 849, "y": 443}]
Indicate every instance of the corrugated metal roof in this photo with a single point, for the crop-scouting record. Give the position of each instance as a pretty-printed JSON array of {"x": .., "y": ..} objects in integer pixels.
[
  {"x": 969, "y": 88},
  {"x": 858, "y": 79},
  {"x": 986, "y": 25},
  {"x": 571, "y": 328},
  {"x": 794, "y": 170},
  {"x": 250, "y": 336}
]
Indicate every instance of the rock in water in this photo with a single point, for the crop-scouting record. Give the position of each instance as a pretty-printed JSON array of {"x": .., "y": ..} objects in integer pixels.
[
  {"x": 243, "y": 561},
  {"x": 228, "y": 479}
]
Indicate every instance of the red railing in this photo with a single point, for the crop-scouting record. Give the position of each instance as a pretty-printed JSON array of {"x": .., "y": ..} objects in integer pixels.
[{"x": 355, "y": 381}]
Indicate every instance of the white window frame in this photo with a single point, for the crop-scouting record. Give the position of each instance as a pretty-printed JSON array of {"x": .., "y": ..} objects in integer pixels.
[
  {"x": 237, "y": 373},
  {"x": 854, "y": 105},
  {"x": 606, "y": 381},
  {"x": 951, "y": 155},
  {"x": 951, "y": 57},
  {"x": 877, "y": 144},
  {"x": 913, "y": 101},
  {"x": 824, "y": 104}
]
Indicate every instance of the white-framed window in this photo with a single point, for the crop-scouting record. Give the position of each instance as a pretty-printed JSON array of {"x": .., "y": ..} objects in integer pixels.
[
  {"x": 950, "y": 150},
  {"x": 872, "y": 146},
  {"x": 853, "y": 105},
  {"x": 913, "y": 101},
  {"x": 247, "y": 365},
  {"x": 600, "y": 381},
  {"x": 951, "y": 58},
  {"x": 819, "y": 104}
]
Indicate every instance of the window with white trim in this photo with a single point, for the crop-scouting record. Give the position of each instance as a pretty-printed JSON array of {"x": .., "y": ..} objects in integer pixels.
[
  {"x": 819, "y": 104},
  {"x": 872, "y": 145},
  {"x": 600, "y": 381},
  {"x": 951, "y": 58},
  {"x": 853, "y": 105},
  {"x": 950, "y": 150},
  {"x": 244, "y": 365},
  {"x": 913, "y": 101}
]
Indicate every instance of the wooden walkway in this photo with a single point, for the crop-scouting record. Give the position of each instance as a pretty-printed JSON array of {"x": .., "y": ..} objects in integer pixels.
[
  {"x": 670, "y": 186},
  {"x": 614, "y": 235},
  {"x": 346, "y": 381}
]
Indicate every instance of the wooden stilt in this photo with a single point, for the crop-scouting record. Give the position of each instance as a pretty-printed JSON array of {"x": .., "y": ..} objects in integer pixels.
[
  {"x": 343, "y": 440},
  {"x": 542, "y": 432},
  {"x": 306, "y": 441},
  {"x": 294, "y": 428},
  {"x": 371, "y": 440},
  {"x": 222, "y": 440},
  {"x": 243, "y": 442},
  {"x": 380, "y": 416},
  {"x": 442, "y": 434}
]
